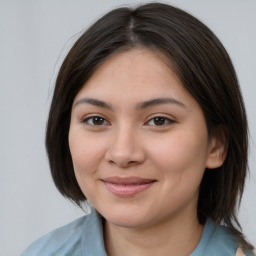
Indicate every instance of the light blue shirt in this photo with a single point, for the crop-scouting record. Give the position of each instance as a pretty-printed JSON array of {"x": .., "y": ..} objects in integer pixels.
[{"x": 84, "y": 237}]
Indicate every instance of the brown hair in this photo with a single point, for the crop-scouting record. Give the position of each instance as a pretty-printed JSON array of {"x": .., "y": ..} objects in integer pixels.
[{"x": 204, "y": 68}]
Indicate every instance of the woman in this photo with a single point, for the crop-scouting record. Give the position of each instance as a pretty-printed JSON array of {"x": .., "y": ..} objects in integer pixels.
[{"x": 142, "y": 126}]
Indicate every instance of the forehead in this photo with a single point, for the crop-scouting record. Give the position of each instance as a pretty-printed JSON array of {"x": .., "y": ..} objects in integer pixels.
[
  {"x": 138, "y": 65},
  {"x": 137, "y": 72}
]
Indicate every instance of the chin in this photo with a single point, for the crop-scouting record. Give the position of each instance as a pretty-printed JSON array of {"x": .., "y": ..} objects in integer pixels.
[
  {"x": 127, "y": 219},
  {"x": 128, "y": 222}
]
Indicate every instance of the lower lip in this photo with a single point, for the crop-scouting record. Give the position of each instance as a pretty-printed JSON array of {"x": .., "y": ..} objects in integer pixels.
[{"x": 127, "y": 190}]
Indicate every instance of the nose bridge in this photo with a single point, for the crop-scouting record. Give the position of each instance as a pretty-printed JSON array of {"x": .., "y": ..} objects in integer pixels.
[{"x": 125, "y": 148}]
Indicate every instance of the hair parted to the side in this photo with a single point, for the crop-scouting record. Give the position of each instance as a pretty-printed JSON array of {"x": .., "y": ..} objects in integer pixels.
[{"x": 205, "y": 69}]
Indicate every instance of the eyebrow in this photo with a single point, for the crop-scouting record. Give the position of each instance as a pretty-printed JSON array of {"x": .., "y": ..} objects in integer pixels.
[
  {"x": 142, "y": 105},
  {"x": 95, "y": 102},
  {"x": 159, "y": 101}
]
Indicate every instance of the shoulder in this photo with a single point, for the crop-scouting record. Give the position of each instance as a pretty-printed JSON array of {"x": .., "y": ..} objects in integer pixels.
[
  {"x": 69, "y": 239},
  {"x": 58, "y": 240},
  {"x": 217, "y": 240}
]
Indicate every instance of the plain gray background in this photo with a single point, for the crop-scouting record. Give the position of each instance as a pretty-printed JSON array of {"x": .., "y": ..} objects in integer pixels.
[{"x": 35, "y": 36}]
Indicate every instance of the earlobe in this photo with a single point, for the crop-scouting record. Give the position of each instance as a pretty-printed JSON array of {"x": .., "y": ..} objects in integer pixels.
[{"x": 217, "y": 152}]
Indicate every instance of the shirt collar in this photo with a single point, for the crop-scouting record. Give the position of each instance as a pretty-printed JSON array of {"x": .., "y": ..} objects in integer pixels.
[{"x": 93, "y": 241}]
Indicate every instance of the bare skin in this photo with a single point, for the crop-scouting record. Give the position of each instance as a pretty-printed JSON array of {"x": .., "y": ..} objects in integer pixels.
[
  {"x": 139, "y": 145},
  {"x": 177, "y": 238}
]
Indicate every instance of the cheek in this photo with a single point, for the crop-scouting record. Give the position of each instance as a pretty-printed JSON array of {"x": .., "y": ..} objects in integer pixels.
[
  {"x": 181, "y": 158},
  {"x": 86, "y": 151},
  {"x": 181, "y": 164}
]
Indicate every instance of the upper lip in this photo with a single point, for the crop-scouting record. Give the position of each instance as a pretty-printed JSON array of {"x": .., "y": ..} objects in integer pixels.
[{"x": 127, "y": 180}]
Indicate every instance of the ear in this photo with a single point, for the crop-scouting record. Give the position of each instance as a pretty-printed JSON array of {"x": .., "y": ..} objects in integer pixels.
[{"x": 218, "y": 148}]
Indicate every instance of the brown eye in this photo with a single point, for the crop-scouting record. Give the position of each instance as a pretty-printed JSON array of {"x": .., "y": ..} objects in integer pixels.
[
  {"x": 95, "y": 121},
  {"x": 159, "y": 121}
]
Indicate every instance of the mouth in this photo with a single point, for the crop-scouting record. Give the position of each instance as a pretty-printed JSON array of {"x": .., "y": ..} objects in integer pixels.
[{"x": 126, "y": 187}]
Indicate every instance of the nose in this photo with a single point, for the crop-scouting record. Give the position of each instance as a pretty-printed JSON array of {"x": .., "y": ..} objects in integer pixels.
[{"x": 125, "y": 148}]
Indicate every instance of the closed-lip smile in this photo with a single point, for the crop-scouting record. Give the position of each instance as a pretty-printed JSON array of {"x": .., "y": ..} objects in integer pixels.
[{"x": 127, "y": 186}]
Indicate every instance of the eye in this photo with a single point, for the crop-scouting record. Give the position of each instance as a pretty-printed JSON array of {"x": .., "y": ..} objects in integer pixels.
[
  {"x": 95, "y": 121},
  {"x": 160, "y": 121}
]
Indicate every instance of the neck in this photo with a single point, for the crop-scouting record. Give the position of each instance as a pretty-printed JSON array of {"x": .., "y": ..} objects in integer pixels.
[{"x": 171, "y": 237}]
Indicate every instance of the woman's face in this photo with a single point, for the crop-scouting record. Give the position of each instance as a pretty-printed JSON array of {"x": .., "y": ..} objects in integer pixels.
[{"x": 138, "y": 141}]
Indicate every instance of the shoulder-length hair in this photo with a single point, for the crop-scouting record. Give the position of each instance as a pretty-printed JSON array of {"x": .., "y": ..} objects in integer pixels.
[{"x": 206, "y": 71}]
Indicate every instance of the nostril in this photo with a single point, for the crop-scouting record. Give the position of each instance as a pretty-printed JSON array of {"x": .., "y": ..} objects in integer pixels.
[
  {"x": 123, "y": 164},
  {"x": 132, "y": 163}
]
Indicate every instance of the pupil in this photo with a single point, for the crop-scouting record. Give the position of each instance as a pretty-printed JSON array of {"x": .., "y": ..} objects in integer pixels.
[
  {"x": 98, "y": 121},
  {"x": 159, "y": 121}
]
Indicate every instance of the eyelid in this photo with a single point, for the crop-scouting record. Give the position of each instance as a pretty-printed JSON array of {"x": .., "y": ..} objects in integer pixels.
[
  {"x": 85, "y": 120},
  {"x": 168, "y": 119}
]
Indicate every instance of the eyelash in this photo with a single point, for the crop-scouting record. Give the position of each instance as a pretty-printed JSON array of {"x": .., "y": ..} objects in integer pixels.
[
  {"x": 164, "y": 121},
  {"x": 94, "y": 118}
]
